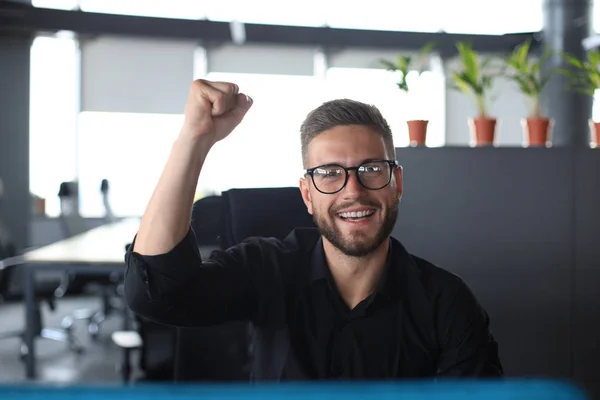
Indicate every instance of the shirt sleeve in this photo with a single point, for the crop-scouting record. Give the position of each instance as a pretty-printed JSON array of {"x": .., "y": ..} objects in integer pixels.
[
  {"x": 179, "y": 288},
  {"x": 468, "y": 348}
]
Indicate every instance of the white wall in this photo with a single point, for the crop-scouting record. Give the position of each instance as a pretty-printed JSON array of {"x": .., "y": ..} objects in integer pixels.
[
  {"x": 136, "y": 75},
  {"x": 265, "y": 59}
]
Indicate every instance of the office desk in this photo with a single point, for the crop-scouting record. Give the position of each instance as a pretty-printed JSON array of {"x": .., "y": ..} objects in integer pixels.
[
  {"x": 99, "y": 251},
  {"x": 463, "y": 390}
]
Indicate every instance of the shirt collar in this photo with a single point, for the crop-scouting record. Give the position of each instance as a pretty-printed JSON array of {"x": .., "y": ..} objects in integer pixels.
[{"x": 387, "y": 285}]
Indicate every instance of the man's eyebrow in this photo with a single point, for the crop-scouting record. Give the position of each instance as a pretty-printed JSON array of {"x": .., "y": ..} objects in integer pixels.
[{"x": 366, "y": 160}]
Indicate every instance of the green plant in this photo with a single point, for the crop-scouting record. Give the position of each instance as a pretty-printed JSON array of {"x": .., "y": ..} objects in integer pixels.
[
  {"x": 404, "y": 64},
  {"x": 530, "y": 74},
  {"x": 584, "y": 76},
  {"x": 475, "y": 77}
]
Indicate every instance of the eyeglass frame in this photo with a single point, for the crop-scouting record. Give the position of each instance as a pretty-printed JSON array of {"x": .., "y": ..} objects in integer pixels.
[{"x": 392, "y": 163}]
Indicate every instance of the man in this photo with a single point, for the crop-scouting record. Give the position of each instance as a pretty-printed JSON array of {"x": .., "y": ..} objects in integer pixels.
[{"x": 345, "y": 301}]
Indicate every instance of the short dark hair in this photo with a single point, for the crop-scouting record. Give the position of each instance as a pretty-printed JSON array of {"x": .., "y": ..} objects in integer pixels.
[{"x": 344, "y": 112}]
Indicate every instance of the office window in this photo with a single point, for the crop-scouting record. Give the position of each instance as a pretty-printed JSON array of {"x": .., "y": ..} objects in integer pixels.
[
  {"x": 299, "y": 13},
  {"x": 264, "y": 151},
  {"x": 492, "y": 17},
  {"x": 378, "y": 87},
  {"x": 53, "y": 117},
  {"x": 130, "y": 150},
  {"x": 399, "y": 15},
  {"x": 56, "y": 4},
  {"x": 596, "y": 16},
  {"x": 182, "y": 9}
]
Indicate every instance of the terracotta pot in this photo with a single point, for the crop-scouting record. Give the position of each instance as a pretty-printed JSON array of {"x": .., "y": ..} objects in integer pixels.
[
  {"x": 417, "y": 132},
  {"x": 483, "y": 131},
  {"x": 595, "y": 133},
  {"x": 537, "y": 131}
]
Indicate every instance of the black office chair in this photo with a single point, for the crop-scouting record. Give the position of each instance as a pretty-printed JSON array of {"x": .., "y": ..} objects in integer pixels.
[
  {"x": 217, "y": 353},
  {"x": 109, "y": 215},
  {"x": 10, "y": 278},
  {"x": 267, "y": 212},
  {"x": 157, "y": 344},
  {"x": 223, "y": 352},
  {"x": 44, "y": 294},
  {"x": 207, "y": 222},
  {"x": 72, "y": 223},
  {"x": 108, "y": 288}
]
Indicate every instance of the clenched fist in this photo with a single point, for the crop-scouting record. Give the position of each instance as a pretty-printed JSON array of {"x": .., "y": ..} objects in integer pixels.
[{"x": 213, "y": 110}]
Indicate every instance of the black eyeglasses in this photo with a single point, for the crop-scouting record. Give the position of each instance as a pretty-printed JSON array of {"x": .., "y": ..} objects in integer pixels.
[{"x": 372, "y": 175}]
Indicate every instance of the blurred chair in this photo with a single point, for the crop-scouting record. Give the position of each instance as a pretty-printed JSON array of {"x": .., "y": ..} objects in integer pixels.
[
  {"x": 109, "y": 215},
  {"x": 44, "y": 290},
  {"x": 153, "y": 344},
  {"x": 108, "y": 288},
  {"x": 71, "y": 221},
  {"x": 71, "y": 224}
]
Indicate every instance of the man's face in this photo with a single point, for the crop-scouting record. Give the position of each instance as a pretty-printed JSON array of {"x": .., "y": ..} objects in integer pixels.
[{"x": 358, "y": 234}]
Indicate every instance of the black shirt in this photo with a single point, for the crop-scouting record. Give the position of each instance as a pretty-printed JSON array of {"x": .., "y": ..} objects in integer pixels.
[{"x": 421, "y": 321}]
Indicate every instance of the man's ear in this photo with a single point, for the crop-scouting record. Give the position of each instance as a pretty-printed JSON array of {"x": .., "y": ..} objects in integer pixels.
[
  {"x": 398, "y": 175},
  {"x": 304, "y": 190}
]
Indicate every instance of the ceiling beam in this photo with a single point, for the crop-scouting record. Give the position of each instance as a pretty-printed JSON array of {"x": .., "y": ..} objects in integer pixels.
[{"x": 18, "y": 18}]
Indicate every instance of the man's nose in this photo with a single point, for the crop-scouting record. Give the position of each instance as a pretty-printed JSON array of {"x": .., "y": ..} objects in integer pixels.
[{"x": 353, "y": 186}]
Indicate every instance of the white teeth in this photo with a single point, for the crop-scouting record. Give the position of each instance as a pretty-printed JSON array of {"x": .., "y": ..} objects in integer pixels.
[{"x": 354, "y": 214}]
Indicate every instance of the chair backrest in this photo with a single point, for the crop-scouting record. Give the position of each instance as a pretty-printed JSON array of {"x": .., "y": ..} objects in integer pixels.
[
  {"x": 207, "y": 221},
  {"x": 71, "y": 221},
  {"x": 109, "y": 216},
  {"x": 265, "y": 212},
  {"x": 222, "y": 353},
  {"x": 157, "y": 356},
  {"x": 216, "y": 353}
]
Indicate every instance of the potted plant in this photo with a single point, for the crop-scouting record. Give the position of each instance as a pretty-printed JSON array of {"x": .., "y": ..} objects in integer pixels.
[
  {"x": 584, "y": 77},
  {"x": 475, "y": 78},
  {"x": 417, "y": 128},
  {"x": 531, "y": 77}
]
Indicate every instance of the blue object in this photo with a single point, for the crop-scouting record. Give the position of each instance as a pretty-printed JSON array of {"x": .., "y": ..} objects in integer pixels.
[{"x": 447, "y": 390}]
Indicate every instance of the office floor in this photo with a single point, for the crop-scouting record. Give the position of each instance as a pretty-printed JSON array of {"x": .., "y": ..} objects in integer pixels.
[{"x": 55, "y": 362}]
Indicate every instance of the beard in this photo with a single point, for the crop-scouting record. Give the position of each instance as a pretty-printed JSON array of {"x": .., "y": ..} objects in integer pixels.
[{"x": 357, "y": 244}]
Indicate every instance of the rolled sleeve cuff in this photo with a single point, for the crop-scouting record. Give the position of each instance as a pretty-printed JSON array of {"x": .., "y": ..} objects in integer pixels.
[{"x": 174, "y": 264}]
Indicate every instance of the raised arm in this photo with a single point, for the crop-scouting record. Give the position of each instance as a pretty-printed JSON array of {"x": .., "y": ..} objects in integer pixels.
[
  {"x": 166, "y": 280},
  {"x": 213, "y": 110}
]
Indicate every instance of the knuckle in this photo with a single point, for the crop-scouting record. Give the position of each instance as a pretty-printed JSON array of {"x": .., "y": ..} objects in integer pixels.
[
  {"x": 219, "y": 97},
  {"x": 231, "y": 88},
  {"x": 198, "y": 84}
]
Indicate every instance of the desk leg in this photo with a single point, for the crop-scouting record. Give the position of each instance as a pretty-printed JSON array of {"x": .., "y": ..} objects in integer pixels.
[{"x": 30, "y": 323}]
